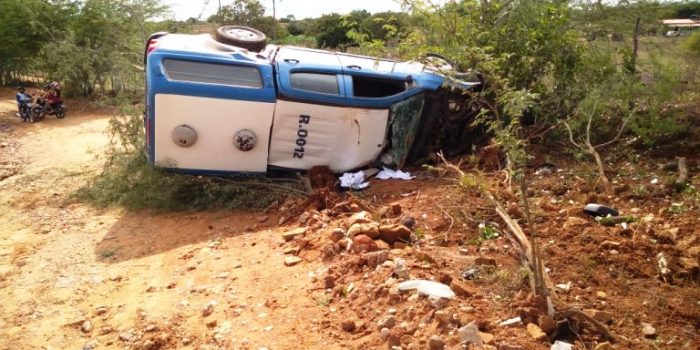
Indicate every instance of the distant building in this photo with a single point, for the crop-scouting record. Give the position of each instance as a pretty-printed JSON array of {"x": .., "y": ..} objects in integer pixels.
[{"x": 680, "y": 26}]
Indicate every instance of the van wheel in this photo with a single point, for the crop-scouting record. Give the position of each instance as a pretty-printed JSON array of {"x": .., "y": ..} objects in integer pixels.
[{"x": 243, "y": 37}]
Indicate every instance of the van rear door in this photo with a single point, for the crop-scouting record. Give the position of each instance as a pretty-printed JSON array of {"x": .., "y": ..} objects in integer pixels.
[{"x": 209, "y": 113}]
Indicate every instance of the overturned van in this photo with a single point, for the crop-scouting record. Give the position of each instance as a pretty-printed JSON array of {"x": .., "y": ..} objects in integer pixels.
[{"x": 215, "y": 105}]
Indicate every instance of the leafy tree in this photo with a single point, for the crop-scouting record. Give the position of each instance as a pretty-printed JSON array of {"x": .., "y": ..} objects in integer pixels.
[
  {"x": 330, "y": 32},
  {"x": 101, "y": 45},
  {"x": 240, "y": 12},
  {"x": 300, "y": 27},
  {"x": 26, "y": 27},
  {"x": 690, "y": 9}
]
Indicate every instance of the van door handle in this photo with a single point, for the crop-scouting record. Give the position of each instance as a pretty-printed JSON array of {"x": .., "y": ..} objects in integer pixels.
[
  {"x": 354, "y": 66},
  {"x": 291, "y": 60}
]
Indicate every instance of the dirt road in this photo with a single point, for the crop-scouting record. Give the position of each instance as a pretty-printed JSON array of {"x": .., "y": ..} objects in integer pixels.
[
  {"x": 76, "y": 277},
  {"x": 72, "y": 275}
]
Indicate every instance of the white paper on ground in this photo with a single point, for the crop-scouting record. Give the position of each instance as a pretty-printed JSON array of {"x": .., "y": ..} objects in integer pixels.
[
  {"x": 560, "y": 345},
  {"x": 356, "y": 181},
  {"x": 430, "y": 288},
  {"x": 386, "y": 174}
]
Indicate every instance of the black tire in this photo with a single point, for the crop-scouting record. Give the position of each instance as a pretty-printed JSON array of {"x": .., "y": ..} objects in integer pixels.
[
  {"x": 35, "y": 114},
  {"x": 242, "y": 36},
  {"x": 60, "y": 113}
]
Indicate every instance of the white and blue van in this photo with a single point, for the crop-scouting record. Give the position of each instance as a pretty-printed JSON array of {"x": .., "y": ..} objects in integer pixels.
[{"x": 229, "y": 105}]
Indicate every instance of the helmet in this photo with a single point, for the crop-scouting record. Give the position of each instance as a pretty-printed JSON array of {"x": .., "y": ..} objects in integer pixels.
[
  {"x": 20, "y": 89},
  {"x": 55, "y": 85}
]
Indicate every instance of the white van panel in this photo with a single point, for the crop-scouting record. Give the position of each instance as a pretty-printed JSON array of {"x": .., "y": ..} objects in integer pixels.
[
  {"x": 342, "y": 138},
  {"x": 215, "y": 121}
]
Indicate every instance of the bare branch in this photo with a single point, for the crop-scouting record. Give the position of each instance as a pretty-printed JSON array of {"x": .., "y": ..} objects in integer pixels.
[
  {"x": 601, "y": 328},
  {"x": 588, "y": 127},
  {"x": 571, "y": 136},
  {"x": 619, "y": 133}
]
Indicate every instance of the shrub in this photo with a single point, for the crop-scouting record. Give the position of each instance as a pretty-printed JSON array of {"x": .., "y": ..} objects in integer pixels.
[{"x": 128, "y": 180}]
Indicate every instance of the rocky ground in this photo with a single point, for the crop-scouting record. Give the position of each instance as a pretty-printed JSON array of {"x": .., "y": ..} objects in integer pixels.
[{"x": 324, "y": 272}]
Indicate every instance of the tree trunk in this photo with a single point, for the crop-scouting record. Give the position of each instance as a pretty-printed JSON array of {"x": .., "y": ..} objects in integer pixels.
[
  {"x": 682, "y": 180},
  {"x": 274, "y": 20},
  {"x": 635, "y": 42},
  {"x": 602, "y": 178}
]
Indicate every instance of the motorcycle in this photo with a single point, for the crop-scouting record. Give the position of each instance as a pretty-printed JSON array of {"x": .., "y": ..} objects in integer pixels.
[
  {"x": 41, "y": 109},
  {"x": 25, "y": 110}
]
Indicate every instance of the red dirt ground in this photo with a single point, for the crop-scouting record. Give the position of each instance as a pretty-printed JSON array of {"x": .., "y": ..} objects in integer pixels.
[{"x": 73, "y": 276}]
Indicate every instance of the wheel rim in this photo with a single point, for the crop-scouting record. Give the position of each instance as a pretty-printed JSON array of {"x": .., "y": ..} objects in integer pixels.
[{"x": 242, "y": 34}]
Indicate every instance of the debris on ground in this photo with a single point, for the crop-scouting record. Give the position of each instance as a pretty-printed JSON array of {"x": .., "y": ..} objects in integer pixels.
[
  {"x": 355, "y": 181},
  {"x": 594, "y": 209},
  {"x": 386, "y": 174},
  {"x": 430, "y": 288}
]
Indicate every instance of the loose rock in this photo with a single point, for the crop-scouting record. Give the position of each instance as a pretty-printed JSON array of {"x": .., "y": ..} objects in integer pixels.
[
  {"x": 388, "y": 322},
  {"x": 604, "y": 346},
  {"x": 381, "y": 245},
  {"x": 648, "y": 330},
  {"x": 86, "y": 327},
  {"x": 349, "y": 326},
  {"x": 487, "y": 338},
  {"x": 535, "y": 331},
  {"x": 574, "y": 221},
  {"x": 443, "y": 316},
  {"x": 91, "y": 345},
  {"x": 336, "y": 234},
  {"x": 384, "y": 334},
  {"x": 394, "y": 233},
  {"x": 208, "y": 309},
  {"x": 369, "y": 229},
  {"x": 290, "y": 235},
  {"x": 363, "y": 243},
  {"x": 436, "y": 343},
  {"x": 126, "y": 336},
  {"x": 362, "y": 217},
  {"x": 462, "y": 289},
  {"x": 470, "y": 334},
  {"x": 292, "y": 260},
  {"x": 610, "y": 245},
  {"x": 149, "y": 345}
]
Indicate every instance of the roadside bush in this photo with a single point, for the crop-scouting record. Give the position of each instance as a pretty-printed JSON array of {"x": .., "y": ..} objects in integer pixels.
[
  {"x": 128, "y": 180},
  {"x": 692, "y": 44},
  {"x": 299, "y": 40}
]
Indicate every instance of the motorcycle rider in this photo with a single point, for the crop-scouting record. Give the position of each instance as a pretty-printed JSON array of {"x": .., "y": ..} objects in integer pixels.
[
  {"x": 23, "y": 98},
  {"x": 51, "y": 97}
]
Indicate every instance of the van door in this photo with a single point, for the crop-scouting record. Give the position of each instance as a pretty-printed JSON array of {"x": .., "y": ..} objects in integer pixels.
[
  {"x": 313, "y": 123},
  {"x": 209, "y": 113}
]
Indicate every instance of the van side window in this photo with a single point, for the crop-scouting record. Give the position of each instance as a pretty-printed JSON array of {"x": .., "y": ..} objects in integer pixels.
[
  {"x": 213, "y": 73},
  {"x": 316, "y": 82},
  {"x": 374, "y": 87}
]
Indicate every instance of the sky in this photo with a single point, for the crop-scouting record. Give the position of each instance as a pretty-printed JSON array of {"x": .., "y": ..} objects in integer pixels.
[{"x": 184, "y": 9}]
